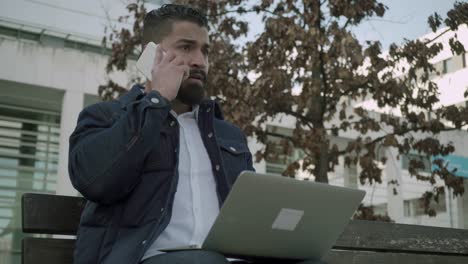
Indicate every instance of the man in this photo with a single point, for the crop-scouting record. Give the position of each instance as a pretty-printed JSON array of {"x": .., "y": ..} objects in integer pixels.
[{"x": 156, "y": 164}]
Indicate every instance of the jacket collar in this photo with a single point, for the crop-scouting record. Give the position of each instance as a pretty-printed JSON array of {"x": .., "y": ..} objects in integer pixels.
[
  {"x": 132, "y": 95},
  {"x": 139, "y": 90},
  {"x": 194, "y": 112},
  {"x": 213, "y": 107}
]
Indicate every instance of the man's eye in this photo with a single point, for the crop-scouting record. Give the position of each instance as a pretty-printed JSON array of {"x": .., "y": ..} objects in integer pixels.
[{"x": 185, "y": 48}]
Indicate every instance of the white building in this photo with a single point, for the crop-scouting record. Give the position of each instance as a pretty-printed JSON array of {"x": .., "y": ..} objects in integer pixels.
[
  {"x": 47, "y": 76},
  {"x": 404, "y": 206}
]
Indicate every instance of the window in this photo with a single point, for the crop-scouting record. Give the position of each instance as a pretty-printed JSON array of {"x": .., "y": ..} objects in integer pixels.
[
  {"x": 457, "y": 63},
  {"x": 413, "y": 207},
  {"x": 350, "y": 176},
  {"x": 407, "y": 208},
  {"x": 464, "y": 59},
  {"x": 438, "y": 70},
  {"x": 280, "y": 151},
  {"x": 425, "y": 159},
  {"x": 380, "y": 209},
  {"x": 454, "y": 64},
  {"x": 445, "y": 66},
  {"x": 157, "y": 2},
  {"x": 29, "y": 146}
]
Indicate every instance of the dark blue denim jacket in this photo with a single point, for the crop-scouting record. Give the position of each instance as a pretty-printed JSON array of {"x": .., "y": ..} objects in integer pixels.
[{"x": 123, "y": 159}]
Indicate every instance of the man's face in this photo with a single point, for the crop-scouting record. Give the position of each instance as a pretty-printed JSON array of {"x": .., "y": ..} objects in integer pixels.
[{"x": 189, "y": 40}]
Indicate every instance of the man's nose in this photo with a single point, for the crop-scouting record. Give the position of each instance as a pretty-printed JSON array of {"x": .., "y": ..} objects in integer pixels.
[{"x": 198, "y": 59}]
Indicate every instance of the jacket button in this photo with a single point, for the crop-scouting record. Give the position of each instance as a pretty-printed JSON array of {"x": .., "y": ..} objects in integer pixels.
[
  {"x": 217, "y": 167},
  {"x": 172, "y": 123},
  {"x": 155, "y": 100},
  {"x": 233, "y": 149},
  {"x": 143, "y": 242},
  {"x": 210, "y": 135},
  {"x": 162, "y": 210},
  {"x": 208, "y": 110}
]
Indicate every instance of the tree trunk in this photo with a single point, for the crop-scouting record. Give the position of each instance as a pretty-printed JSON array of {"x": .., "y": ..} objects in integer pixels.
[{"x": 321, "y": 169}]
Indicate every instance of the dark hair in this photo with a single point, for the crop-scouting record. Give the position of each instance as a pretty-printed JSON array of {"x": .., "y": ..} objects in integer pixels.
[{"x": 158, "y": 22}]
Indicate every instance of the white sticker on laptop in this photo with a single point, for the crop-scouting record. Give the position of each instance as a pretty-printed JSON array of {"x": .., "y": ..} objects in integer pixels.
[{"x": 287, "y": 219}]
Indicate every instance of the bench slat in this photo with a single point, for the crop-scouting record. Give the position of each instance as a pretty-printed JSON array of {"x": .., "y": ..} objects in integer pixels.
[
  {"x": 60, "y": 251},
  {"x": 54, "y": 214},
  {"x": 370, "y": 257},
  {"x": 47, "y": 250},
  {"x": 373, "y": 235},
  {"x": 51, "y": 214}
]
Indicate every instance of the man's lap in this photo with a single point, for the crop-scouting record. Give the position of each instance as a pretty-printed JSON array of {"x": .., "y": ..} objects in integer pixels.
[
  {"x": 187, "y": 257},
  {"x": 210, "y": 257}
]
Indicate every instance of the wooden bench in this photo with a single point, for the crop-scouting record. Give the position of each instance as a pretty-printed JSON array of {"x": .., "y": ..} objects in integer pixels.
[
  {"x": 54, "y": 215},
  {"x": 362, "y": 242}
]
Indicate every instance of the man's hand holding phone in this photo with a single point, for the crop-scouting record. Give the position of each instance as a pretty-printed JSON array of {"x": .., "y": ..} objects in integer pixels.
[
  {"x": 168, "y": 73},
  {"x": 165, "y": 70}
]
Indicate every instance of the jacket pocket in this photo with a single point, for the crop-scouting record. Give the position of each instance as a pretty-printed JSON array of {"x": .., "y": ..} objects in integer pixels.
[{"x": 234, "y": 155}]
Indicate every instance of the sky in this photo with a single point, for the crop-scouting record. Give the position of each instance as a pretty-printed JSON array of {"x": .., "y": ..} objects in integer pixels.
[
  {"x": 403, "y": 19},
  {"x": 87, "y": 18}
]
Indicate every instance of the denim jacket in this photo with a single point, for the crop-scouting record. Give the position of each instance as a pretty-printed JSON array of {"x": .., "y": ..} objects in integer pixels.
[{"x": 123, "y": 159}]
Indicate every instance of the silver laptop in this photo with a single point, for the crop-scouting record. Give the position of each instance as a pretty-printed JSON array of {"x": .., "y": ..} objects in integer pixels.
[{"x": 278, "y": 217}]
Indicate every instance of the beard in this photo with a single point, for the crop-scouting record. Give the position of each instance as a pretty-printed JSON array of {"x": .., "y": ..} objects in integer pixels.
[{"x": 192, "y": 92}]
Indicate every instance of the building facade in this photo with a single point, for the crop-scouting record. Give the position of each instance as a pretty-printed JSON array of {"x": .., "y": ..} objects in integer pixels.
[{"x": 48, "y": 76}]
